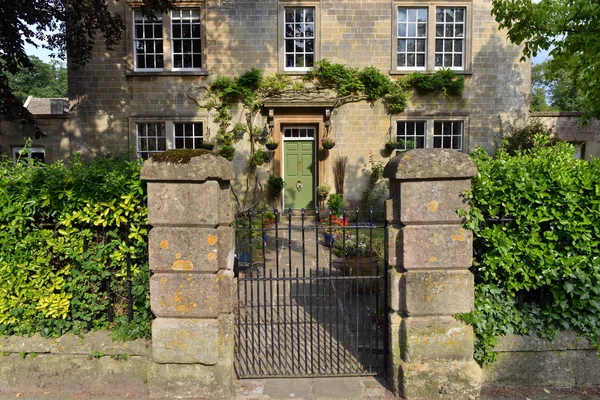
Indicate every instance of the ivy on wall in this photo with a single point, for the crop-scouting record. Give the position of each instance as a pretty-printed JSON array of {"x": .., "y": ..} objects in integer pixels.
[
  {"x": 335, "y": 83},
  {"x": 535, "y": 217}
]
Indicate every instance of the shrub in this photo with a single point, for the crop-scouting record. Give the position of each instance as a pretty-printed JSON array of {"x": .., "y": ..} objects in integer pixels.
[
  {"x": 49, "y": 281},
  {"x": 538, "y": 271},
  {"x": 335, "y": 204}
]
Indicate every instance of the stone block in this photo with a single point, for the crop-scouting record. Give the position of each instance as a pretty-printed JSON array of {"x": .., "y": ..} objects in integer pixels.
[
  {"x": 394, "y": 289},
  {"x": 420, "y": 164},
  {"x": 181, "y": 381},
  {"x": 427, "y": 202},
  {"x": 435, "y": 338},
  {"x": 74, "y": 374},
  {"x": 191, "y": 249},
  {"x": 394, "y": 244},
  {"x": 191, "y": 295},
  {"x": 201, "y": 166},
  {"x": 99, "y": 341},
  {"x": 436, "y": 292},
  {"x": 226, "y": 337},
  {"x": 185, "y": 341},
  {"x": 564, "y": 340},
  {"x": 440, "y": 380},
  {"x": 188, "y": 204},
  {"x": 16, "y": 344},
  {"x": 435, "y": 247}
]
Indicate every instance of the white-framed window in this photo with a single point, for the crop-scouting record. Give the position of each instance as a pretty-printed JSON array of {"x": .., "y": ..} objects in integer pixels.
[
  {"x": 412, "y": 38},
  {"x": 151, "y": 138},
  {"x": 301, "y": 132},
  {"x": 188, "y": 135},
  {"x": 299, "y": 38},
  {"x": 437, "y": 133},
  {"x": 186, "y": 39},
  {"x": 158, "y": 136},
  {"x": 169, "y": 42},
  {"x": 148, "y": 42},
  {"x": 450, "y": 37},
  {"x": 36, "y": 153},
  {"x": 431, "y": 37}
]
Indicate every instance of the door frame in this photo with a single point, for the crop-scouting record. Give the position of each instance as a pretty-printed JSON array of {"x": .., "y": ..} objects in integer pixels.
[
  {"x": 314, "y": 157},
  {"x": 302, "y": 117}
]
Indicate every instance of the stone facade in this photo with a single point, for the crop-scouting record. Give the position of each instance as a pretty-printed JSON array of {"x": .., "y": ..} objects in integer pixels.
[
  {"x": 568, "y": 126},
  {"x": 429, "y": 280},
  {"x": 109, "y": 96}
]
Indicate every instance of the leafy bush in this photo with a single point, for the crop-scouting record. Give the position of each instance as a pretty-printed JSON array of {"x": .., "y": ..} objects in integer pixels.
[
  {"x": 521, "y": 137},
  {"x": 49, "y": 281},
  {"x": 536, "y": 222},
  {"x": 335, "y": 204}
]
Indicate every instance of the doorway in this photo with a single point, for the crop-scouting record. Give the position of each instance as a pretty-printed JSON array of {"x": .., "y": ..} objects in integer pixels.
[{"x": 299, "y": 166}]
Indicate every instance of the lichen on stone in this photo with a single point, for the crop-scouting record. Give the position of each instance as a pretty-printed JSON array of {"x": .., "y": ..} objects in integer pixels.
[{"x": 179, "y": 156}]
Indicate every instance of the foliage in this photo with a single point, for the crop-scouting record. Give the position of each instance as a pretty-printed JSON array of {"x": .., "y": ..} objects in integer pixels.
[
  {"x": 41, "y": 80},
  {"x": 538, "y": 271},
  {"x": 376, "y": 185},
  {"x": 323, "y": 190},
  {"x": 358, "y": 246},
  {"x": 443, "y": 81},
  {"x": 258, "y": 158},
  {"x": 332, "y": 223},
  {"x": 335, "y": 204},
  {"x": 339, "y": 173},
  {"x": 523, "y": 137},
  {"x": 563, "y": 90},
  {"x": 275, "y": 185},
  {"x": 62, "y": 25},
  {"x": 569, "y": 29},
  {"x": 49, "y": 281}
]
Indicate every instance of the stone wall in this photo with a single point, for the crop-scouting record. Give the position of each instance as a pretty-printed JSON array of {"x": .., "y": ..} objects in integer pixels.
[
  {"x": 569, "y": 126},
  {"x": 567, "y": 361},
  {"x": 91, "y": 364}
]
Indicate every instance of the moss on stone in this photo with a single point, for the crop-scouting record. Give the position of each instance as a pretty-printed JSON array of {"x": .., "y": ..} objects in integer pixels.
[{"x": 179, "y": 156}]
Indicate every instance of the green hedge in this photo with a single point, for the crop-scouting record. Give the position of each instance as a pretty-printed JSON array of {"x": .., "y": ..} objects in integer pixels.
[
  {"x": 539, "y": 271},
  {"x": 49, "y": 281}
]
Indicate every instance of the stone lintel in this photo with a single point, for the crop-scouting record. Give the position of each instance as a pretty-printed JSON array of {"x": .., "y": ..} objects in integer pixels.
[
  {"x": 187, "y": 165},
  {"x": 424, "y": 293},
  {"x": 191, "y": 249},
  {"x": 430, "y": 164}
]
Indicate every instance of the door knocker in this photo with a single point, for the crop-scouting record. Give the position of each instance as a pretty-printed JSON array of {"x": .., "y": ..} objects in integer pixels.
[{"x": 299, "y": 185}]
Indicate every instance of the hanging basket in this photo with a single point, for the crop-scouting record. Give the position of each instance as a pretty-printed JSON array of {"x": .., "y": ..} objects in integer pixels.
[
  {"x": 328, "y": 144},
  {"x": 207, "y": 146},
  {"x": 271, "y": 146},
  {"x": 391, "y": 146}
]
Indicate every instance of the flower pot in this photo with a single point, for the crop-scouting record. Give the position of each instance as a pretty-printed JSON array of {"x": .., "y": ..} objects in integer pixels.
[
  {"x": 391, "y": 146},
  {"x": 329, "y": 239},
  {"x": 328, "y": 144},
  {"x": 271, "y": 145}
]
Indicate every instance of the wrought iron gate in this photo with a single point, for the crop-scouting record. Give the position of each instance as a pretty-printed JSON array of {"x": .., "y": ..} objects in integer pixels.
[{"x": 311, "y": 294}]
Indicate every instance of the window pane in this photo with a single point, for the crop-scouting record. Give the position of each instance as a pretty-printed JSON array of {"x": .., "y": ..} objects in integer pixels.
[
  {"x": 402, "y": 14},
  {"x": 422, "y": 15},
  {"x": 412, "y": 15}
]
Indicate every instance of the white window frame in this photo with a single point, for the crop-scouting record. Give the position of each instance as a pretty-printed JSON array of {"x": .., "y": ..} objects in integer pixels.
[
  {"x": 169, "y": 129},
  {"x": 453, "y": 38},
  {"x": 139, "y": 138},
  {"x": 430, "y": 136},
  {"x": 16, "y": 149},
  {"x": 146, "y": 22},
  {"x": 298, "y": 4},
  {"x": 430, "y": 48},
  {"x": 200, "y": 38},
  {"x": 167, "y": 40},
  {"x": 407, "y": 24},
  {"x": 194, "y": 136}
]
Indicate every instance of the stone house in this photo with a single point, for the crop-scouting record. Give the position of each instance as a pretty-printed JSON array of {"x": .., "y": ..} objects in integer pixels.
[{"x": 139, "y": 96}]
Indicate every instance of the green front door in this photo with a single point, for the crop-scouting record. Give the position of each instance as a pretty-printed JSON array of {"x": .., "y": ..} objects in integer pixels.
[{"x": 299, "y": 166}]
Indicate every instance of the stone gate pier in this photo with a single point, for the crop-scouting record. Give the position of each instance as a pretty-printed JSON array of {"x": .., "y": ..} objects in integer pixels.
[
  {"x": 429, "y": 281},
  {"x": 191, "y": 248}
]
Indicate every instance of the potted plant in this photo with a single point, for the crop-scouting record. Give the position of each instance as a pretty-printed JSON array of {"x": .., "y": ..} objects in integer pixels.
[
  {"x": 358, "y": 254},
  {"x": 322, "y": 192},
  {"x": 207, "y": 146},
  {"x": 275, "y": 185},
  {"x": 328, "y": 143},
  {"x": 271, "y": 145},
  {"x": 332, "y": 228},
  {"x": 391, "y": 145}
]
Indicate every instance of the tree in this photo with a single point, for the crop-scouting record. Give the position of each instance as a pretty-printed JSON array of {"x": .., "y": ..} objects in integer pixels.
[
  {"x": 41, "y": 80},
  {"x": 564, "y": 92},
  {"x": 570, "y": 29},
  {"x": 65, "y": 26}
]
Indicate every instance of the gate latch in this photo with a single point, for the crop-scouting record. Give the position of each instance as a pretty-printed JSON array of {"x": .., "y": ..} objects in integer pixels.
[{"x": 299, "y": 185}]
